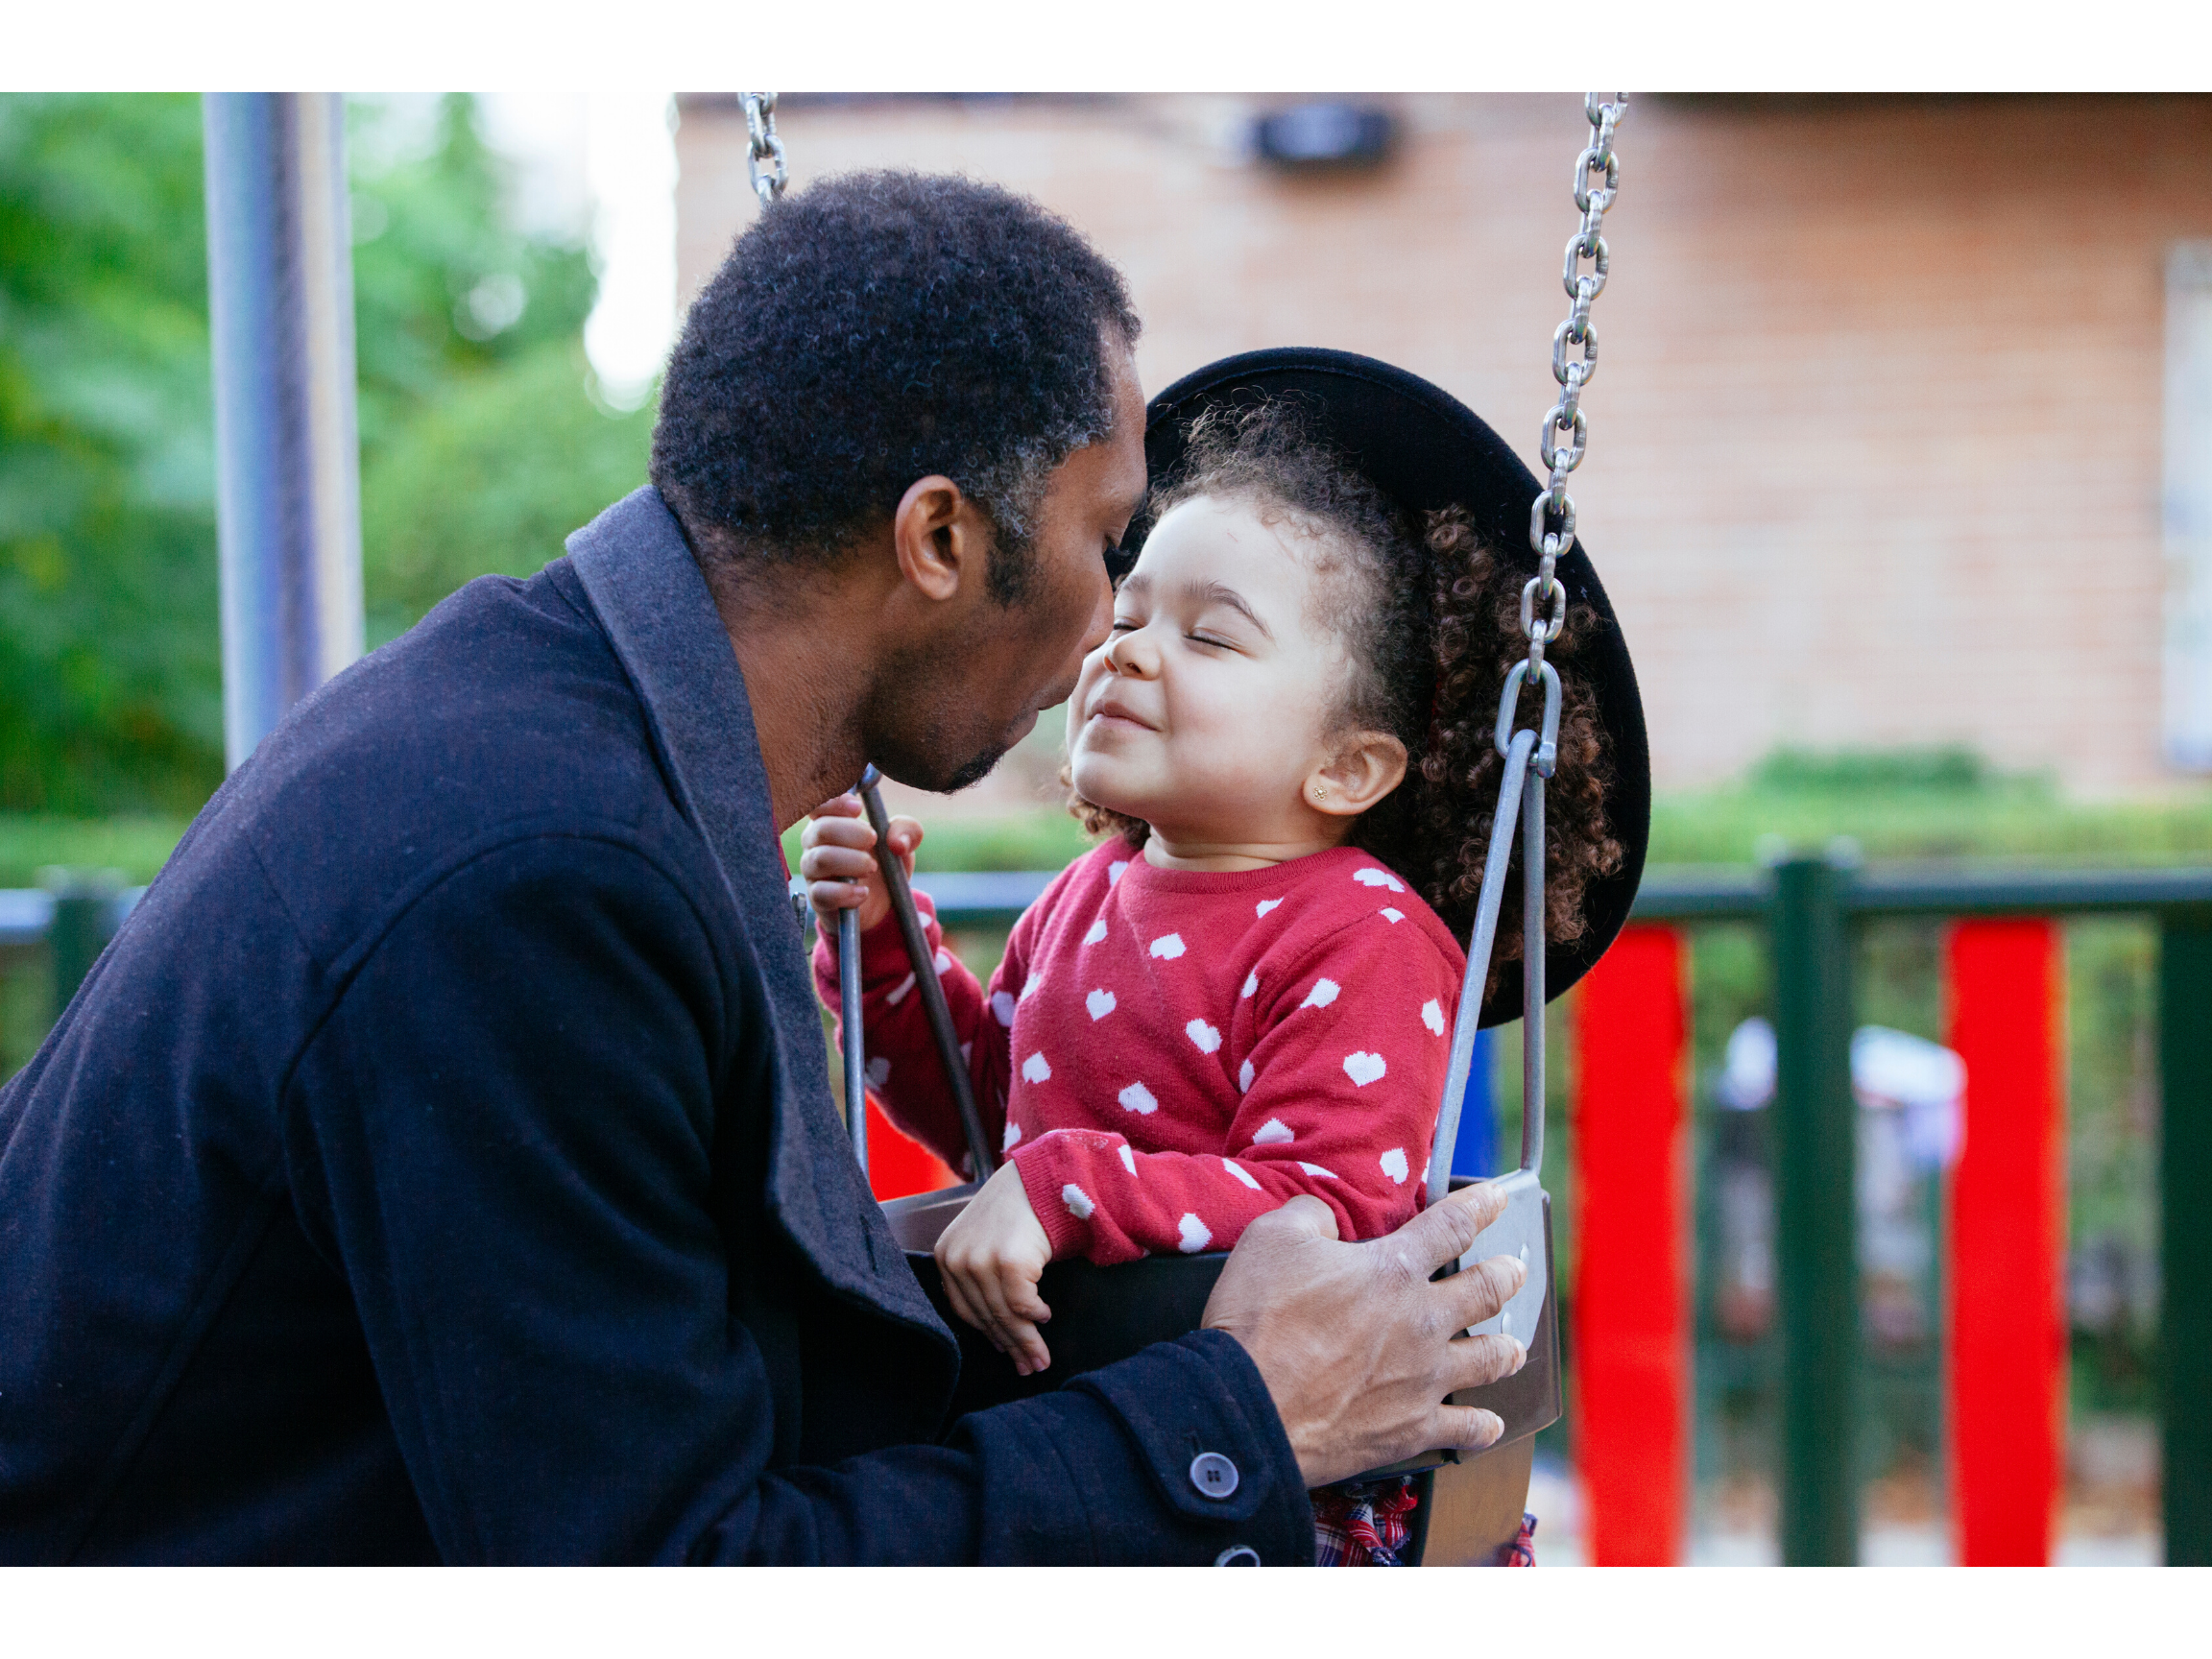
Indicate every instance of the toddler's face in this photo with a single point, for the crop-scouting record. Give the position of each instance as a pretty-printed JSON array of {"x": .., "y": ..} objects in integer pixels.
[{"x": 1209, "y": 706}]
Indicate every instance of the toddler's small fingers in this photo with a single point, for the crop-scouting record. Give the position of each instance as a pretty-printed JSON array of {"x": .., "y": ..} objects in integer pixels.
[
  {"x": 853, "y": 833},
  {"x": 817, "y": 871},
  {"x": 956, "y": 1294},
  {"x": 835, "y": 864},
  {"x": 990, "y": 1289},
  {"x": 836, "y": 895},
  {"x": 1030, "y": 1354},
  {"x": 1022, "y": 1299}
]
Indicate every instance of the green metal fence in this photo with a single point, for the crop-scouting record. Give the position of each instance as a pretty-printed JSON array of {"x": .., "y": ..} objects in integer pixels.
[{"x": 1810, "y": 907}]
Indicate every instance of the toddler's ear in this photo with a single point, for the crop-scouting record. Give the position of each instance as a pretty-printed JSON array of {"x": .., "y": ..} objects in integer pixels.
[{"x": 1366, "y": 766}]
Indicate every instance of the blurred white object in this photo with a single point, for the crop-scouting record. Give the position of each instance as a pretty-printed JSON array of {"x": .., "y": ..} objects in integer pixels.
[
  {"x": 541, "y": 132},
  {"x": 598, "y": 165},
  {"x": 1890, "y": 1071},
  {"x": 629, "y": 158},
  {"x": 1746, "y": 1080},
  {"x": 1924, "y": 1081}
]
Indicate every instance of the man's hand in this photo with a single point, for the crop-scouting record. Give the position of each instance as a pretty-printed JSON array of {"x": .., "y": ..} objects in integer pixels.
[
  {"x": 837, "y": 858},
  {"x": 1355, "y": 1344},
  {"x": 991, "y": 1259}
]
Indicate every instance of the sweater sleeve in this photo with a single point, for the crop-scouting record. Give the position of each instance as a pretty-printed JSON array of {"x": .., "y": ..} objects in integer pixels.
[
  {"x": 905, "y": 1073},
  {"x": 1341, "y": 1087}
]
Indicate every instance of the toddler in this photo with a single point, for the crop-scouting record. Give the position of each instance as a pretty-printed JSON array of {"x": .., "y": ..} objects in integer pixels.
[{"x": 1245, "y": 993}]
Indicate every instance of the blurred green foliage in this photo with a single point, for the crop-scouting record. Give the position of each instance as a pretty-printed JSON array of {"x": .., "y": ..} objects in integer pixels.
[
  {"x": 138, "y": 844},
  {"x": 109, "y": 664},
  {"x": 481, "y": 442}
]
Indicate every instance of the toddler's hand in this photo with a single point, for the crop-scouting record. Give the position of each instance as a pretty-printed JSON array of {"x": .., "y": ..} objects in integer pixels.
[
  {"x": 991, "y": 1259},
  {"x": 837, "y": 858}
]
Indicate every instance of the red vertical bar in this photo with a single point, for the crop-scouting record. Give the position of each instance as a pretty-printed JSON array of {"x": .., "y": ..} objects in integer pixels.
[
  {"x": 1630, "y": 1347},
  {"x": 2007, "y": 1335}
]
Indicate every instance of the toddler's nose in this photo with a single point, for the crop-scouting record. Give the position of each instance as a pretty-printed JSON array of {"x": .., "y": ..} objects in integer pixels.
[{"x": 1128, "y": 654}]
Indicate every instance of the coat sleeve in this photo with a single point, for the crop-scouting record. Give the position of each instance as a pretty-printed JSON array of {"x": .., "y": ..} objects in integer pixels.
[{"x": 505, "y": 1139}]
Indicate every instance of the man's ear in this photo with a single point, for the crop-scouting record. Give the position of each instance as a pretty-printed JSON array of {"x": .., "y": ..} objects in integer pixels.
[
  {"x": 1365, "y": 768},
  {"x": 939, "y": 537}
]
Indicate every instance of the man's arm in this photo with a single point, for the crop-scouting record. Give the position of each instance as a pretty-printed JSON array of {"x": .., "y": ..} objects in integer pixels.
[{"x": 504, "y": 1136}]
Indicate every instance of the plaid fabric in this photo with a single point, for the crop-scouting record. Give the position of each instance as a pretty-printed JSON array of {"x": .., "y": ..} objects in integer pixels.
[
  {"x": 1362, "y": 1524},
  {"x": 1522, "y": 1551}
]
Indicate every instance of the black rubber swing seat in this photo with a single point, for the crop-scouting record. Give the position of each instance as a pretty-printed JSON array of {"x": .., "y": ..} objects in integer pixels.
[
  {"x": 1471, "y": 1505},
  {"x": 1104, "y": 1314}
]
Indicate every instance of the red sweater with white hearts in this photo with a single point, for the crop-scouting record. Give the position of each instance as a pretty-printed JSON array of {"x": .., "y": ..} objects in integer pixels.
[{"x": 1169, "y": 1054}]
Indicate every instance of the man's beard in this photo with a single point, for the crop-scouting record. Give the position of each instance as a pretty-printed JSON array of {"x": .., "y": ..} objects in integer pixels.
[{"x": 916, "y": 736}]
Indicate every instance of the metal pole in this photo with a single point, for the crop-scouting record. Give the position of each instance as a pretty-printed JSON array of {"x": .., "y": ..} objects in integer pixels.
[
  {"x": 853, "y": 1051},
  {"x": 1815, "y": 1221},
  {"x": 2184, "y": 1175},
  {"x": 932, "y": 994},
  {"x": 1533, "y": 965},
  {"x": 281, "y": 311}
]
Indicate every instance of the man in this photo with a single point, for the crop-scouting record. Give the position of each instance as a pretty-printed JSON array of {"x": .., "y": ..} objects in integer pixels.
[{"x": 439, "y": 1163}]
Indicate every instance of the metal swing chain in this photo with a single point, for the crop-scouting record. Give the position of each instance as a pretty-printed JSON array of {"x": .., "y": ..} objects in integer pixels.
[
  {"x": 761, "y": 127},
  {"x": 1531, "y": 754},
  {"x": 1550, "y": 533},
  {"x": 1552, "y": 518}
]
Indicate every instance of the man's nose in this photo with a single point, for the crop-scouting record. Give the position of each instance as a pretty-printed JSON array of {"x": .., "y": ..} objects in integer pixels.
[{"x": 1100, "y": 627}]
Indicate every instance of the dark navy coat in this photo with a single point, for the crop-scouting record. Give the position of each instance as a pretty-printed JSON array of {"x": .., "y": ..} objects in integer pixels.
[{"x": 440, "y": 1165}]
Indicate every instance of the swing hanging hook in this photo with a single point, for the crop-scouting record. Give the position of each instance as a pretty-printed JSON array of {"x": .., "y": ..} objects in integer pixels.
[{"x": 1547, "y": 756}]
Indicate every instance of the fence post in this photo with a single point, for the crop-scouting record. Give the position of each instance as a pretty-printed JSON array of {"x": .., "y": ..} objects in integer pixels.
[
  {"x": 1817, "y": 1267},
  {"x": 1629, "y": 1303},
  {"x": 84, "y": 906},
  {"x": 2184, "y": 1177},
  {"x": 2007, "y": 1337}
]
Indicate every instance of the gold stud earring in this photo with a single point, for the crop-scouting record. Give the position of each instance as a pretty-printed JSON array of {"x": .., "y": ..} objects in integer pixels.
[{"x": 1320, "y": 791}]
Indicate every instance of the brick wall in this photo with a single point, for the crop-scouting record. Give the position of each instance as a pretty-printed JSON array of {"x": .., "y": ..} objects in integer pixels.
[{"x": 1876, "y": 430}]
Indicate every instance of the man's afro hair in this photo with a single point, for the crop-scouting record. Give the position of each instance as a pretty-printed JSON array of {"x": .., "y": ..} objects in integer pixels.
[{"x": 872, "y": 330}]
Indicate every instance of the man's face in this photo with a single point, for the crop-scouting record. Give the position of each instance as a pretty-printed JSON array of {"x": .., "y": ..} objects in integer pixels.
[{"x": 946, "y": 710}]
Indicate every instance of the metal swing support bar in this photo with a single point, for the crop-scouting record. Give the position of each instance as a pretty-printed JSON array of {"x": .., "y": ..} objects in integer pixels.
[
  {"x": 852, "y": 1050},
  {"x": 923, "y": 962},
  {"x": 280, "y": 304},
  {"x": 1529, "y": 758}
]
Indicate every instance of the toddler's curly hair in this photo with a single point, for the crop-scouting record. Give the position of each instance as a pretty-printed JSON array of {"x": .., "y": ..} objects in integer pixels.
[{"x": 1430, "y": 617}]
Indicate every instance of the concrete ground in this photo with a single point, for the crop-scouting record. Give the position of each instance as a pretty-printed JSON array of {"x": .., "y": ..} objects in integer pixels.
[{"x": 2095, "y": 1532}]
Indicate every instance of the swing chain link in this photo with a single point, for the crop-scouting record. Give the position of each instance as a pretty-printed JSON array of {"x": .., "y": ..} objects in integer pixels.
[
  {"x": 761, "y": 129},
  {"x": 1552, "y": 516}
]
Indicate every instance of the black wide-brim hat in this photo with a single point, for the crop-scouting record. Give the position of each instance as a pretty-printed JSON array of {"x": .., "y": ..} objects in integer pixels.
[{"x": 1424, "y": 450}]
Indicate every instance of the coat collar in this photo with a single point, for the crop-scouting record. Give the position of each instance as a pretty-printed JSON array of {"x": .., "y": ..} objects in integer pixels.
[{"x": 657, "y": 610}]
